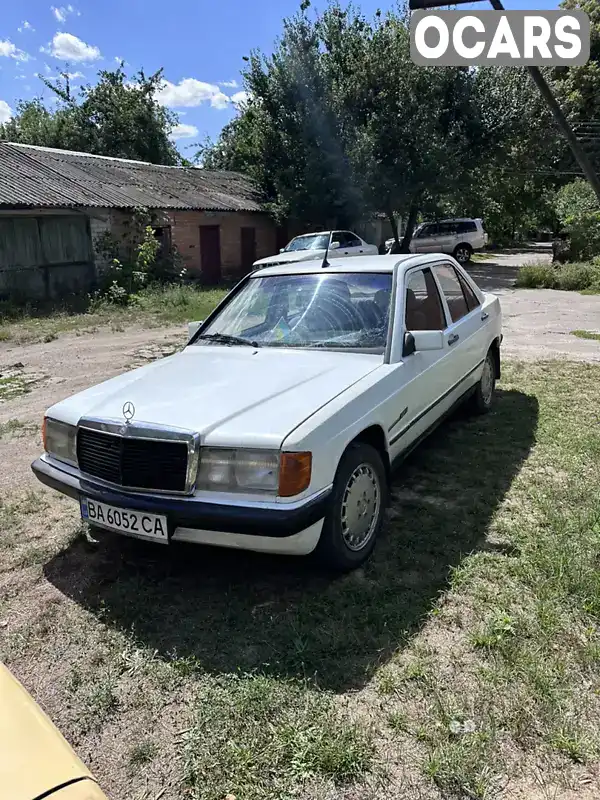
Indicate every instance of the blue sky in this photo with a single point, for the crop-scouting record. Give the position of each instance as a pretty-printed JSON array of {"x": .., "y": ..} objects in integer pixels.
[{"x": 199, "y": 43}]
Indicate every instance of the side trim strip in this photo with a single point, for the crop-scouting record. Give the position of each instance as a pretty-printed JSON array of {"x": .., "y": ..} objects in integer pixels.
[
  {"x": 400, "y": 418},
  {"x": 435, "y": 403}
]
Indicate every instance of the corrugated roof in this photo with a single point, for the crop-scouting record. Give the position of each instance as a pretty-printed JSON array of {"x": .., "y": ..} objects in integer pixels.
[{"x": 43, "y": 177}]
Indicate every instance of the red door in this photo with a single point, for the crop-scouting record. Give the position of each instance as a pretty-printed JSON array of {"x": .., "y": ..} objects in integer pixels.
[
  {"x": 248, "y": 239},
  {"x": 210, "y": 253}
]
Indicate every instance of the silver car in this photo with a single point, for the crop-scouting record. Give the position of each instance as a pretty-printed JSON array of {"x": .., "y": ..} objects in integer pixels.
[{"x": 458, "y": 237}]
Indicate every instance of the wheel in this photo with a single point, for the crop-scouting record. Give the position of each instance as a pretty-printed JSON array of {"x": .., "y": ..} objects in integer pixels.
[
  {"x": 462, "y": 253},
  {"x": 483, "y": 398},
  {"x": 357, "y": 509}
]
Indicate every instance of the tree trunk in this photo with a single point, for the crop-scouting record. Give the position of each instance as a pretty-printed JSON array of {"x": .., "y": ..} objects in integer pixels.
[
  {"x": 410, "y": 226},
  {"x": 394, "y": 226}
]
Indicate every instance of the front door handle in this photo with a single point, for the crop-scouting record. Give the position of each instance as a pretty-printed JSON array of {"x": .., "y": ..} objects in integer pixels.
[
  {"x": 484, "y": 316},
  {"x": 453, "y": 339}
]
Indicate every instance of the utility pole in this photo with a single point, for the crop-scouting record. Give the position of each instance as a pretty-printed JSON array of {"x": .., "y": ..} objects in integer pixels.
[{"x": 578, "y": 152}]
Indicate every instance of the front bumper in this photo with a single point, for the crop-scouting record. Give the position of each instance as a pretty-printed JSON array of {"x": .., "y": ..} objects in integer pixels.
[{"x": 189, "y": 516}]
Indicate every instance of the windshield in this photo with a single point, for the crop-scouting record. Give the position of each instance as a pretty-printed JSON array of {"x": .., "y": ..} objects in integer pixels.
[
  {"x": 318, "y": 241},
  {"x": 349, "y": 311}
]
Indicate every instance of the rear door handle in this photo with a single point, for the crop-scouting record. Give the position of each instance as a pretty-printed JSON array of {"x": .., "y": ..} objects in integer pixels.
[
  {"x": 484, "y": 316},
  {"x": 453, "y": 339}
]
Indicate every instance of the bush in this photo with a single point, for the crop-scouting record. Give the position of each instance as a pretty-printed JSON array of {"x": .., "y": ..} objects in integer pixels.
[
  {"x": 571, "y": 277},
  {"x": 537, "y": 276},
  {"x": 575, "y": 277}
]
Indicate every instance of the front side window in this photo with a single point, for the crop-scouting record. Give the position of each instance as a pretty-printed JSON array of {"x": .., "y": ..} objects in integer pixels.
[
  {"x": 318, "y": 241},
  {"x": 335, "y": 310},
  {"x": 424, "y": 310},
  {"x": 350, "y": 240},
  {"x": 452, "y": 289},
  {"x": 427, "y": 231}
]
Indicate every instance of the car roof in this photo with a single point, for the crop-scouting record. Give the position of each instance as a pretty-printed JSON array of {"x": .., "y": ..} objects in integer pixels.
[
  {"x": 321, "y": 233},
  {"x": 352, "y": 264},
  {"x": 452, "y": 219}
]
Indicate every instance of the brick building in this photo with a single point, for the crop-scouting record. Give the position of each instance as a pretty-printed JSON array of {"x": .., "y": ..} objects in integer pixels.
[{"x": 55, "y": 204}]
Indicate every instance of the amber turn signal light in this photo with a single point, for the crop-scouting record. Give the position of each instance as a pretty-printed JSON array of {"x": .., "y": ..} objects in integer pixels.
[{"x": 294, "y": 473}]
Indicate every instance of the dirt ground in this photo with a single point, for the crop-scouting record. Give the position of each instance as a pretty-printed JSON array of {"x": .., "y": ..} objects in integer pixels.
[
  {"x": 538, "y": 322},
  {"x": 44, "y": 590}
]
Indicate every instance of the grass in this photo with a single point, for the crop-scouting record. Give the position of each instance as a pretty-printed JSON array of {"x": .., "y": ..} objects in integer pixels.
[
  {"x": 569, "y": 277},
  {"x": 17, "y": 428},
  {"x": 152, "y": 307},
  {"x": 462, "y": 662},
  {"x": 586, "y": 335}
]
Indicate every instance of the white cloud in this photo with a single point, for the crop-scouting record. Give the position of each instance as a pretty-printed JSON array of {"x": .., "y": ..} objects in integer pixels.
[
  {"x": 62, "y": 12},
  {"x": 59, "y": 13},
  {"x": 74, "y": 75},
  {"x": 26, "y": 26},
  {"x": 239, "y": 98},
  {"x": 183, "y": 131},
  {"x": 190, "y": 92},
  {"x": 69, "y": 48},
  {"x": 9, "y": 50},
  {"x": 5, "y": 111},
  {"x": 229, "y": 84}
]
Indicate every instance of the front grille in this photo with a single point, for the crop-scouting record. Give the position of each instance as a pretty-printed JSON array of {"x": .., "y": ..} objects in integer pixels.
[{"x": 133, "y": 463}]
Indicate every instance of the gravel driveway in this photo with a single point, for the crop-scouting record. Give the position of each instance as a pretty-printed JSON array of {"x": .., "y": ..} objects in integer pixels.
[{"x": 537, "y": 323}]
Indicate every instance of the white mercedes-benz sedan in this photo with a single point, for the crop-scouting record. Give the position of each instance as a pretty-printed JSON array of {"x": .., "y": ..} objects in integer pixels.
[
  {"x": 314, "y": 246},
  {"x": 277, "y": 426}
]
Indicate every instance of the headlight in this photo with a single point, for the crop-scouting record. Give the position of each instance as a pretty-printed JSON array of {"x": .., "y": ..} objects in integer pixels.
[
  {"x": 261, "y": 471},
  {"x": 238, "y": 470},
  {"x": 60, "y": 440}
]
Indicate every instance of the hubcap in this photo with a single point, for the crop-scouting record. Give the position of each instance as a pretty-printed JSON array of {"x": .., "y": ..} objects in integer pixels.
[
  {"x": 360, "y": 507},
  {"x": 462, "y": 255},
  {"x": 487, "y": 381}
]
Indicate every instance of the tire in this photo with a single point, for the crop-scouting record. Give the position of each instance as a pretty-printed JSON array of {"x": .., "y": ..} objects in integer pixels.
[
  {"x": 360, "y": 468},
  {"x": 463, "y": 252},
  {"x": 483, "y": 398}
]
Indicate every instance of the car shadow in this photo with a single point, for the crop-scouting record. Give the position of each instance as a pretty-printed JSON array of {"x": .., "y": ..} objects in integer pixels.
[
  {"x": 491, "y": 275},
  {"x": 225, "y": 611}
]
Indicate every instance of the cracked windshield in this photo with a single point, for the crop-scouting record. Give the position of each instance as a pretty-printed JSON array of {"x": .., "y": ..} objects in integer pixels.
[{"x": 329, "y": 311}]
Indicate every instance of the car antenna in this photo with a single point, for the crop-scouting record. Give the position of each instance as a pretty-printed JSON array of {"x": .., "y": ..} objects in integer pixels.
[{"x": 325, "y": 262}]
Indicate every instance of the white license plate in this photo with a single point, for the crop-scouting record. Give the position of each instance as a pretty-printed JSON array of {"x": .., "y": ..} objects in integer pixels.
[{"x": 124, "y": 520}]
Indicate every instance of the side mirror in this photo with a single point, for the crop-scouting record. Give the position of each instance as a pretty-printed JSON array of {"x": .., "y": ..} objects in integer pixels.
[
  {"x": 428, "y": 340},
  {"x": 334, "y": 245},
  {"x": 281, "y": 249},
  {"x": 409, "y": 344},
  {"x": 193, "y": 328}
]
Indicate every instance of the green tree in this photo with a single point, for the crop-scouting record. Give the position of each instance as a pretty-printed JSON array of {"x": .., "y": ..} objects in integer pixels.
[
  {"x": 342, "y": 123},
  {"x": 114, "y": 117}
]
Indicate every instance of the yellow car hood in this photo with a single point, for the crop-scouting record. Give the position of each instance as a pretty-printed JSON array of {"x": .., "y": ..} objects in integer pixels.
[{"x": 34, "y": 757}]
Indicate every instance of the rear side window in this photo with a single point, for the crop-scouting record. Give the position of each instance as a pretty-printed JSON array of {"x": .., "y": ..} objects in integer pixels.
[
  {"x": 447, "y": 228},
  {"x": 467, "y": 227},
  {"x": 424, "y": 311},
  {"x": 470, "y": 296},
  {"x": 452, "y": 289}
]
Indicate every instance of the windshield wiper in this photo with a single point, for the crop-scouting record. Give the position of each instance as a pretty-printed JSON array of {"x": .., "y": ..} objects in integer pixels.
[{"x": 225, "y": 338}]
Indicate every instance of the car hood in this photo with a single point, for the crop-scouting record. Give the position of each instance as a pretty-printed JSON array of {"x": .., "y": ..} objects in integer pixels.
[
  {"x": 229, "y": 395},
  {"x": 290, "y": 258},
  {"x": 35, "y": 757}
]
